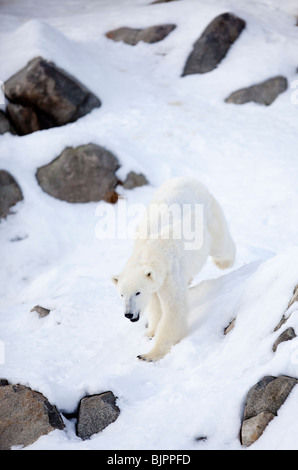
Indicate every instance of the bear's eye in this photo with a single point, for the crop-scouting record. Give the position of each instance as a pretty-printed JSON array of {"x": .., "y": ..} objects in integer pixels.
[
  {"x": 121, "y": 295},
  {"x": 138, "y": 293}
]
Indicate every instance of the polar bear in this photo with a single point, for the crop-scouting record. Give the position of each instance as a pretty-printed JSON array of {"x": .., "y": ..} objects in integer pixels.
[{"x": 163, "y": 261}]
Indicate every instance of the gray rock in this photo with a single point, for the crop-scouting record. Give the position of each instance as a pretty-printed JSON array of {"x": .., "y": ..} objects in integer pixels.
[
  {"x": 41, "y": 311},
  {"x": 268, "y": 395},
  {"x": 10, "y": 193},
  {"x": 213, "y": 44},
  {"x": 52, "y": 96},
  {"x": 262, "y": 403},
  {"x": 82, "y": 174},
  {"x": 5, "y": 125},
  {"x": 262, "y": 93},
  {"x": 294, "y": 297},
  {"x": 25, "y": 415},
  {"x": 133, "y": 35},
  {"x": 96, "y": 412},
  {"x": 287, "y": 335},
  {"x": 134, "y": 180},
  {"x": 24, "y": 118},
  {"x": 254, "y": 427}
]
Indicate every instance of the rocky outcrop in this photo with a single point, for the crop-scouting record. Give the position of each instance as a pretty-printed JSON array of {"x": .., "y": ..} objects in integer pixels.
[
  {"x": 10, "y": 193},
  {"x": 43, "y": 96},
  {"x": 96, "y": 412},
  {"x": 213, "y": 44},
  {"x": 262, "y": 404},
  {"x": 132, "y": 36},
  {"x": 82, "y": 174},
  {"x": 262, "y": 93},
  {"x": 25, "y": 415}
]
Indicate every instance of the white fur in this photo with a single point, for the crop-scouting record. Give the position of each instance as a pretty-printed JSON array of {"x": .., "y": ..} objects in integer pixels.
[{"x": 159, "y": 270}]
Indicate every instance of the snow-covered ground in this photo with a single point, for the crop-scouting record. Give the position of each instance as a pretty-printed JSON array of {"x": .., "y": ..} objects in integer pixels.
[{"x": 162, "y": 125}]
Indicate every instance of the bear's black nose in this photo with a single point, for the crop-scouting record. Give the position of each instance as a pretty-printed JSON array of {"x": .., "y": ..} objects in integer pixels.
[{"x": 128, "y": 315}]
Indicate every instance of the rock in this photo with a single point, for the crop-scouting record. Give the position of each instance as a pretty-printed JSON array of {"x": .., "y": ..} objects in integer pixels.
[
  {"x": 82, "y": 174},
  {"x": 10, "y": 193},
  {"x": 132, "y": 35},
  {"x": 254, "y": 427},
  {"x": 41, "y": 311},
  {"x": 265, "y": 397},
  {"x": 282, "y": 321},
  {"x": 3, "y": 382},
  {"x": 162, "y": 1},
  {"x": 5, "y": 125},
  {"x": 26, "y": 119},
  {"x": 263, "y": 93},
  {"x": 287, "y": 335},
  {"x": 213, "y": 44},
  {"x": 285, "y": 318},
  {"x": 230, "y": 326},
  {"x": 48, "y": 95},
  {"x": 96, "y": 412},
  {"x": 294, "y": 297},
  {"x": 134, "y": 180},
  {"x": 25, "y": 415}
]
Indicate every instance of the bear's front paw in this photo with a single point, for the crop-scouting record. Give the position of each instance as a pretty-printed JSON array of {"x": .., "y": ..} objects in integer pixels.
[{"x": 151, "y": 356}]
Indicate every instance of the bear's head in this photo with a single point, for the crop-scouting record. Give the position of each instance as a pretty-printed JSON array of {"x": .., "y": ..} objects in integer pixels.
[{"x": 136, "y": 290}]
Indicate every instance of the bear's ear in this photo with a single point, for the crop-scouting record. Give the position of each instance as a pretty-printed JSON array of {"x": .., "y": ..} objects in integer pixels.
[{"x": 115, "y": 279}]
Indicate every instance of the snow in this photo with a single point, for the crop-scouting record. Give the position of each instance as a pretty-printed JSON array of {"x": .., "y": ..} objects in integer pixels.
[{"x": 162, "y": 125}]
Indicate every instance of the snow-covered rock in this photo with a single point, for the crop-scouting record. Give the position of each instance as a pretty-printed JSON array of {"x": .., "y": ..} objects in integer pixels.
[
  {"x": 25, "y": 415},
  {"x": 10, "y": 193},
  {"x": 213, "y": 44},
  {"x": 82, "y": 174},
  {"x": 44, "y": 96},
  {"x": 262, "y": 93}
]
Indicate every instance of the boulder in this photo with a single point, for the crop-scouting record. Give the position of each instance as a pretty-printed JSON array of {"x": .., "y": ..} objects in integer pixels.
[
  {"x": 262, "y": 93},
  {"x": 213, "y": 44},
  {"x": 262, "y": 403},
  {"x": 134, "y": 180},
  {"x": 5, "y": 125},
  {"x": 96, "y": 412},
  {"x": 25, "y": 415},
  {"x": 82, "y": 174},
  {"x": 47, "y": 95},
  {"x": 10, "y": 193},
  {"x": 253, "y": 428},
  {"x": 133, "y": 35}
]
